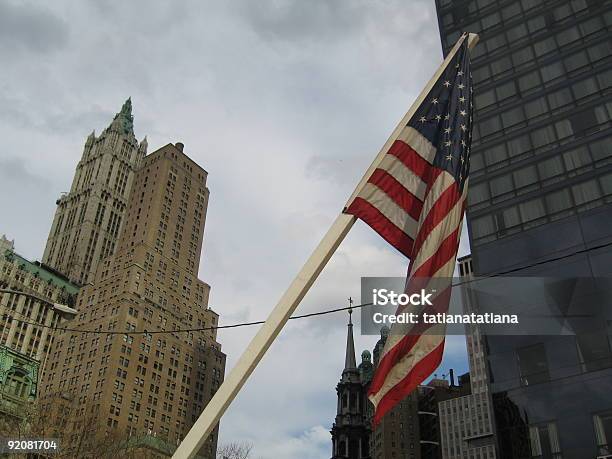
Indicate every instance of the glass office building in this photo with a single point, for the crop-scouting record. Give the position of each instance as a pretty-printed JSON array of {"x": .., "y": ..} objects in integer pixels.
[{"x": 540, "y": 204}]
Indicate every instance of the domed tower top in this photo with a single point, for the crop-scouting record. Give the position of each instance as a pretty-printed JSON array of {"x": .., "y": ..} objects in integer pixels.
[{"x": 366, "y": 369}]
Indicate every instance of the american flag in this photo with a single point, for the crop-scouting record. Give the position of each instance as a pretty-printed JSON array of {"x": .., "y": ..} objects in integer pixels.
[{"x": 415, "y": 199}]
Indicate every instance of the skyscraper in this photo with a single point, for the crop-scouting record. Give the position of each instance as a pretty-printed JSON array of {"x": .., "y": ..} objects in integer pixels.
[
  {"x": 89, "y": 218},
  {"x": 410, "y": 429},
  {"x": 466, "y": 422},
  {"x": 540, "y": 204},
  {"x": 147, "y": 384}
]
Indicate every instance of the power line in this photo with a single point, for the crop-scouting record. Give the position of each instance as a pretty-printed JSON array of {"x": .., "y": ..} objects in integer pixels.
[
  {"x": 303, "y": 316},
  {"x": 188, "y": 330},
  {"x": 539, "y": 263}
]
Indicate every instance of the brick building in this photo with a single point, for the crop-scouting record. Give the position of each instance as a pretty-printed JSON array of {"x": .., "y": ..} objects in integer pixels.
[{"x": 150, "y": 384}]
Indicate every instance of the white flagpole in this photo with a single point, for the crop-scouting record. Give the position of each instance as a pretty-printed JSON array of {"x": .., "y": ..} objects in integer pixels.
[{"x": 289, "y": 301}]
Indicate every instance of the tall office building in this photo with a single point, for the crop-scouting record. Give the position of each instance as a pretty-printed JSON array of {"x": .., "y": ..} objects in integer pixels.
[
  {"x": 540, "y": 204},
  {"x": 410, "y": 429},
  {"x": 89, "y": 218},
  {"x": 148, "y": 384},
  {"x": 466, "y": 422}
]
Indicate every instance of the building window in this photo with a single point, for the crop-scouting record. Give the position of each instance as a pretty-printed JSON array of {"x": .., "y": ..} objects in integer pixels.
[
  {"x": 552, "y": 71},
  {"x": 519, "y": 145},
  {"x": 603, "y": 432},
  {"x": 560, "y": 98},
  {"x": 533, "y": 365},
  {"x": 17, "y": 383},
  {"x": 585, "y": 88},
  {"x": 525, "y": 176},
  {"x": 532, "y": 210},
  {"x": 551, "y": 167},
  {"x": 594, "y": 350},
  {"x": 586, "y": 192},
  {"x": 544, "y": 441},
  {"x": 501, "y": 185},
  {"x": 483, "y": 226},
  {"x": 558, "y": 201}
]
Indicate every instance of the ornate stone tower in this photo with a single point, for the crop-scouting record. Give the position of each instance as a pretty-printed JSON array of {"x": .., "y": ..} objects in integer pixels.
[
  {"x": 89, "y": 218},
  {"x": 351, "y": 429},
  {"x": 136, "y": 382}
]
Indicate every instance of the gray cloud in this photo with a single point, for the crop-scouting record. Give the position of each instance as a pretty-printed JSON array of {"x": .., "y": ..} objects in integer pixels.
[
  {"x": 293, "y": 20},
  {"x": 28, "y": 27}
]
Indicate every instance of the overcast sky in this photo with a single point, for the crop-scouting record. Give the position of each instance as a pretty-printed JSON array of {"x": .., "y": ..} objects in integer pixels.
[{"x": 284, "y": 103}]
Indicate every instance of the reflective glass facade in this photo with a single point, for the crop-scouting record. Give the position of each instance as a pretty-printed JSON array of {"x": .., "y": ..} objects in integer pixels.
[{"x": 540, "y": 203}]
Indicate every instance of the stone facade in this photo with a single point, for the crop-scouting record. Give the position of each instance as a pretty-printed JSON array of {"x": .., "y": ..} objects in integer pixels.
[
  {"x": 33, "y": 339},
  {"x": 89, "y": 218},
  {"x": 18, "y": 383},
  {"x": 147, "y": 383}
]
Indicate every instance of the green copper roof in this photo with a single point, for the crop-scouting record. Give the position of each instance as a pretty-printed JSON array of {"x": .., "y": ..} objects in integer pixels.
[
  {"x": 41, "y": 272},
  {"x": 125, "y": 117}
]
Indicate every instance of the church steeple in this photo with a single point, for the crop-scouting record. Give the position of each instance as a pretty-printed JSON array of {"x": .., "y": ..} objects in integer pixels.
[
  {"x": 350, "y": 364},
  {"x": 351, "y": 430}
]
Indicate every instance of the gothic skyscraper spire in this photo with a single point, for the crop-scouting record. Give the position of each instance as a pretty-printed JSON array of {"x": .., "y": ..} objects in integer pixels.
[{"x": 89, "y": 217}]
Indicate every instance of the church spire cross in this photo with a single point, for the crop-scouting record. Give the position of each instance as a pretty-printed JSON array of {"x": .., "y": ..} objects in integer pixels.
[{"x": 349, "y": 362}]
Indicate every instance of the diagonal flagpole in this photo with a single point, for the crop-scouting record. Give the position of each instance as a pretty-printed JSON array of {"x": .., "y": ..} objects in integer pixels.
[{"x": 297, "y": 290}]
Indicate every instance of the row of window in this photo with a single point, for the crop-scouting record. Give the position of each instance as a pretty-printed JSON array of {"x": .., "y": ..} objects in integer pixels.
[
  {"x": 537, "y": 141},
  {"x": 541, "y": 174},
  {"x": 459, "y": 19},
  {"x": 551, "y": 74},
  {"x": 576, "y": 124},
  {"x": 542, "y": 209}
]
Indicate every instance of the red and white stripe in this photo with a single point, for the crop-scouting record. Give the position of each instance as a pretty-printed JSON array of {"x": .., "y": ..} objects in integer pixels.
[{"x": 418, "y": 208}]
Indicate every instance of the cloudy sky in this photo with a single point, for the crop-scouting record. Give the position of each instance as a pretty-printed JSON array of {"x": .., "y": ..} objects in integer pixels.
[{"x": 284, "y": 103}]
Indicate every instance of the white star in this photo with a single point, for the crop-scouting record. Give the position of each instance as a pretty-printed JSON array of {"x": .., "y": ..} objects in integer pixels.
[
  {"x": 463, "y": 113},
  {"x": 447, "y": 130},
  {"x": 457, "y": 66},
  {"x": 463, "y": 128},
  {"x": 438, "y": 117},
  {"x": 449, "y": 157},
  {"x": 461, "y": 86},
  {"x": 447, "y": 83},
  {"x": 463, "y": 142},
  {"x": 422, "y": 119},
  {"x": 434, "y": 101},
  {"x": 462, "y": 99},
  {"x": 447, "y": 116},
  {"x": 447, "y": 144},
  {"x": 460, "y": 73}
]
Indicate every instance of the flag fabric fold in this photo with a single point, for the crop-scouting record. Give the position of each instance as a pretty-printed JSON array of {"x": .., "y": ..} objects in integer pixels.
[{"x": 415, "y": 199}]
